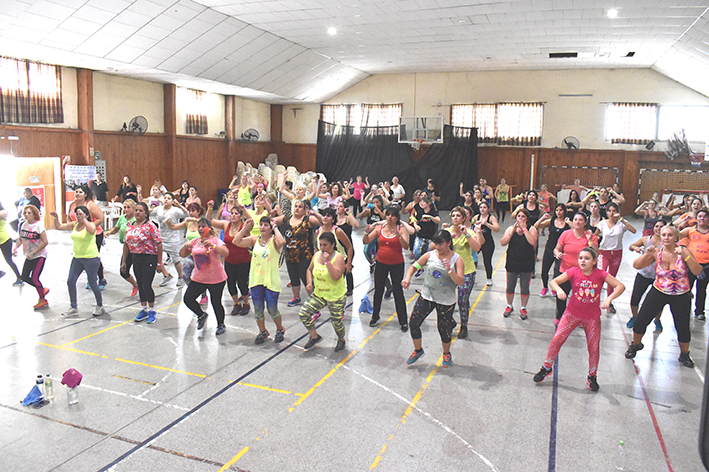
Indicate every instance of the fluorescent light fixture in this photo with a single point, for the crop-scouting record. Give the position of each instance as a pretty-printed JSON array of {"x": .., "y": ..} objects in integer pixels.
[
  {"x": 332, "y": 31},
  {"x": 612, "y": 13}
]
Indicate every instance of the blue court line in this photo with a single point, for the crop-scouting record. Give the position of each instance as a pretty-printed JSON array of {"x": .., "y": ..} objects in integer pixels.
[{"x": 554, "y": 415}]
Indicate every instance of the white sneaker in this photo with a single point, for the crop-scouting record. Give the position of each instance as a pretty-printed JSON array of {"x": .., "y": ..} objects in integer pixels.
[
  {"x": 165, "y": 280},
  {"x": 489, "y": 282},
  {"x": 99, "y": 310},
  {"x": 71, "y": 312},
  {"x": 180, "y": 283}
]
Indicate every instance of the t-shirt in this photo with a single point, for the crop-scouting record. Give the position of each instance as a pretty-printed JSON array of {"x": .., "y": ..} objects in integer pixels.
[
  {"x": 143, "y": 238},
  {"x": 100, "y": 190},
  {"x": 571, "y": 247},
  {"x": 398, "y": 192},
  {"x": 122, "y": 225},
  {"x": 174, "y": 214},
  {"x": 358, "y": 190},
  {"x": 612, "y": 237},
  {"x": 208, "y": 268},
  {"x": 699, "y": 245},
  {"x": 585, "y": 296},
  {"x": 428, "y": 226},
  {"x": 30, "y": 235}
]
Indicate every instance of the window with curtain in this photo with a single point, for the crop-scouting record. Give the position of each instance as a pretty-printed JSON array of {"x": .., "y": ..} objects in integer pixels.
[
  {"x": 364, "y": 115},
  {"x": 516, "y": 124},
  {"x": 30, "y": 92},
  {"x": 194, "y": 102},
  {"x": 631, "y": 123}
]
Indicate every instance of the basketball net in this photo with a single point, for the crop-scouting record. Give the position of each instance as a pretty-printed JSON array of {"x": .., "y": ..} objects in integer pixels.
[{"x": 416, "y": 144}]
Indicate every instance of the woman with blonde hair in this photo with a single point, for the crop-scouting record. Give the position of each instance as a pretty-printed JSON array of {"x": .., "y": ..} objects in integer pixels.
[{"x": 121, "y": 226}]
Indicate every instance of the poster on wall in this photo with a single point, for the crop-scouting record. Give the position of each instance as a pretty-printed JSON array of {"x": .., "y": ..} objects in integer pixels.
[{"x": 76, "y": 175}]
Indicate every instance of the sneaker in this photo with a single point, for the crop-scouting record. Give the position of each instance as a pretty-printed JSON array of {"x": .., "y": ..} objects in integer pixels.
[
  {"x": 312, "y": 342},
  {"x": 142, "y": 315},
  {"x": 508, "y": 312},
  {"x": 630, "y": 323},
  {"x": 633, "y": 349},
  {"x": 204, "y": 300},
  {"x": 151, "y": 316},
  {"x": 523, "y": 313},
  {"x": 88, "y": 287},
  {"x": 221, "y": 329},
  {"x": 294, "y": 301},
  {"x": 100, "y": 310},
  {"x": 700, "y": 317},
  {"x": 134, "y": 291},
  {"x": 447, "y": 360},
  {"x": 553, "y": 293},
  {"x": 315, "y": 316},
  {"x": 611, "y": 309},
  {"x": 165, "y": 280},
  {"x": 685, "y": 360},
  {"x": 463, "y": 333},
  {"x": 181, "y": 283},
  {"x": 592, "y": 383},
  {"x": 289, "y": 285},
  {"x": 2, "y": 274},
  {"x": 373, "y": 322},
  {"x": 489, "y": 282},
  {"x": 41, "y": 303},
  {"x": 388, "y": 293},
  {"x": 556, "y": 321},
  {"x": 404, "y": 328},
  {"x": 71, "y": 312},
  {"x": 543, "y": 374},
  {"x": 280, "y": 334},
  {"x": 340, "y": 345},
  {"x": 544, "y": 292},
  {"x": 416, "y": 355},
  {"x": 261, "y": 337},
  {"x": 236, "y": 310},
  {"x": 658, "y": 325},
  {"x": 102, "y": 284},
  {"x": 18, "y": 283},
  {"x": 46, "y": 291},
  {"x": 245, "y": 309},
  {"x": 201, "y": 319},
  {"x": 348, "y": 293}
]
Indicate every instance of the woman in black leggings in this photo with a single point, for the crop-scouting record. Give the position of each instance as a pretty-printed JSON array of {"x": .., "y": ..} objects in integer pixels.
[
  {"x": 488, "y": 224},
  {"x": 6, "y": 247},
  {"x": 556, "y": 226}
]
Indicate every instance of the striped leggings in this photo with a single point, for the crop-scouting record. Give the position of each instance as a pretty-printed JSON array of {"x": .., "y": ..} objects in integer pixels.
[
  {"x": 31, "y": 272},
  {"x": 568, "y": 323}
]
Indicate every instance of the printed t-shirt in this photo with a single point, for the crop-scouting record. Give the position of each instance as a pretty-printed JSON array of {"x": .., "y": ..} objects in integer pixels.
[
  {"x": 585, "y": 296},
  {"x": 31, "y": 235},
  {"x": 208, "y": 268},
  {"x": 143, "y": 238}
]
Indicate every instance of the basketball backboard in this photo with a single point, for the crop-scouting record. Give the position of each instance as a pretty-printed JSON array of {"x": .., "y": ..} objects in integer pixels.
[{"x": 421, "y": 129}]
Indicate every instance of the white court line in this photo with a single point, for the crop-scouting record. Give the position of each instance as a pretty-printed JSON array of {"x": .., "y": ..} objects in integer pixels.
[{"x": 135, "y": 397}]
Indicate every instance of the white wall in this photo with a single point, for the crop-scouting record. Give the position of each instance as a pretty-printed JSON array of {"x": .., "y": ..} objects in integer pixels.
[
  {"x": 583, "y": 117},
  {"x": 215, "y": 115},
  {"x": 119, "y": 99},
  {"x": 298, "y": 123},
  {"x": 256, "y": 115}
]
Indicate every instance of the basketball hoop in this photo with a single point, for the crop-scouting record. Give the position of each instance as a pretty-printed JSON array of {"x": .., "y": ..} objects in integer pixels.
[{"x": 416, "y": 144}]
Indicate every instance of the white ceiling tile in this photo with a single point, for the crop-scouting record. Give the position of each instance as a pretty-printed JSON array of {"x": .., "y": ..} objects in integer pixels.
[
  {"x": 50, "y": 10},
  {"x": 38, "y": 23},
  {"x": 125, "y": 53},
  {"x": 93, "y": 14},
  {"x": 167, "y": 22},
  {"x": 153, "y": 31},
  {"x": 146, "y": 7},
  {"x": 132, "y": 18},
  {"x": 79, "y": 25},
  {"x": 115, "y": 6}
]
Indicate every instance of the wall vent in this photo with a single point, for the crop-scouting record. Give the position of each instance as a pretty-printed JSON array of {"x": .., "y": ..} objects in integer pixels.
[{"x": 556, "y": 55}]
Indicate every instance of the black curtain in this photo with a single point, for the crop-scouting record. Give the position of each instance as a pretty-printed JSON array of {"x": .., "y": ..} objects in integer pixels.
[{"x": 376, "y": 153}]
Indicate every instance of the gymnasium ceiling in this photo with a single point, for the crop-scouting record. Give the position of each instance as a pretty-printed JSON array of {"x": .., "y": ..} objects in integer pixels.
[{"x": 280, "y": 51}]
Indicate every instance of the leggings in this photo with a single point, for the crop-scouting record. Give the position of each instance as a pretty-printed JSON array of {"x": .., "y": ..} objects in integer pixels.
[
  {"x": 31, "y": 272},
  {"x": 356, "y": 205},
  {"x": 79, "y": 265},
  {"x": 6, "y": 248},
  {"x": 701, "y": 289},
  {"x": 99, "y": 243},
  {"x": 464, "y": 292},
  {"x": 561, "y": 304},
  {"x": 265, "y": 298},
  {"x": 144, "y": 269},
  {"x": 548, "y": 260},
  {"x": 568, "y": 323},
  {"x": 316, "y": 303},
  {"x": 655, "y": 301},
  {"x": 488, "y": 249},
  {"x": 195, "y": 289},
  {"x": 524, "y": 278},
  {"x": 501, "y": 207},
  {"x": 639, "y": 288},
  {"x": 610, "y": 262},
  {"x": 297, "y": 271},
  {"x": 129, "y": 264},
  {"x": 237, "y": 274},
  {"x": 423, "y": 308},
  {"x": 381, "y": 272}
]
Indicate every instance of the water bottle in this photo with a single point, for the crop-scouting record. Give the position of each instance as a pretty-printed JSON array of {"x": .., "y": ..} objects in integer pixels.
[
  {"x": 48, "y": 388},
  {"x": 620, "y": 457},
  {"x": 72, "y": 395},
  {"x": 40, "y": 383}
]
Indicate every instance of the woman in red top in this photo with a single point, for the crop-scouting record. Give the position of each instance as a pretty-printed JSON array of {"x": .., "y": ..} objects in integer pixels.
[{"x": 392, "y": 238}]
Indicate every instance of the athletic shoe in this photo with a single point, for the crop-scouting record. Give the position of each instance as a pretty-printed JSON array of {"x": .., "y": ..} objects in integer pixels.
[
  {"x": 100, "y": 310},
  {"x": 633, "y": 349},
  {"x": 416, "y": 355},
  {"x": 236, "y": 310},
  {"x": 221, "y": 329},
  {"x": 508, "y": 312},
  {"x": 102, "y": 284},
  {"x": 447, "y": 360},
  {"x": 312, "y": 342},
  {"x": 373, "y": 322},
  {"x": 245, "y": 308},
  {"x": 685, "y": 360},
  {"x": 340, "y": 345},
  {"x": 463, "y": 333},
  {"x": 556, "y": 321},
  {"x": 658, "y": 325},
  {"x": 348, "y": 293},
  {"x": 134, "y": 291},
  {"x": 523, "y": 313},
  {"x": 543, "y": 374},
  {"x": 204, "y": 300},
  {"x": 2, "y": 274},
  {"x": 151, "y": 316},
  {"x": 261, "y": 337},
  {"x": 289, "y": 285},
  {"x": 41, "y": 303},
  {"x": 88, "y": 287},
  {"x": 489, "y": 282},
  {"x": 201, "y": 319},
  {"x": 404, "y": 328},
  {"x": 180, "y": 283},
  {"x": 592, "y": 383},
  {"x": 279, "y": 335},
  {"x": 18, "y": 283},
  {"x": 294, "y": 301},
  {"x": 142, "y": 316},
  {"x": 611, "y": 309},
  {"x": 46, "y": 291},
  {"x": 71, "y": 312},
  {"x": 553, "y": 293},
  {"x": 700, "y": 317},
  {"x": 165, "y": 280},
  {"x": 316, "y": 316},
  {"x": 544, "y": 292},
  {"x": 630, "y": 323}
]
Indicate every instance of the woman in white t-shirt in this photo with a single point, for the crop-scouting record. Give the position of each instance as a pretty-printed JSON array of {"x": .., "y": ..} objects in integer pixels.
[
  {"x": 610, "y": 254},
  {"x": 33, "y": 239}
]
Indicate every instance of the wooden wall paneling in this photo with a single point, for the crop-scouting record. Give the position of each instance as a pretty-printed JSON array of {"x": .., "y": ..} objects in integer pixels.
[
  {"x": 204, "y": 163},
  {"x": 277, "y": 123},
  {"x": 41, "y": 142},
  {"x": 300, "y": 156},
  {"x": 511, "y": 163}
]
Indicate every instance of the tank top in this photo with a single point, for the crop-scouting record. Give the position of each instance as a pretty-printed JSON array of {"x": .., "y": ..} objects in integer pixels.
[
  {"x": 520, "y": 254},
  {"x": 84, "y": 244},
  {"x": 298, "y": 241},
  {"x": 373, "y": 217},
  {"x": 324, "y": 286},
  {"x": 649, "y": 271},
  {"x": 438, "y": 287},
  {"x": 533, "y": 214},
  {"x": 462, "y": 248},
  {"x": 487, "y": 232},
  {"x": 390, "y": 250},
  {"x": 554, "y": 235},
  {"x": 649, "y": 224},
  {"x": 244, "y": 196},
  {"x": 4, "y": 235},
  {"x": 190, "y": 235},
  {"x": 255, "y": 231},
  {"x": 503, "y": 193},
  {"x": 338, "y": 245},
  {"x": 237, "y": 255},
  {"x": 699, "y": 245},
  {"x": 264, "y": 266},
  {"x": 673, "y": 281}
]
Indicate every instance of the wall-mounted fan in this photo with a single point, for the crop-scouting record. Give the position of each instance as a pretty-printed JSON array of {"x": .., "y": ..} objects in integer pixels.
[
  {"x": 250, "y": 135},
  {"x": 570, "y": 142},
  {"x": 138, "y": 125}
]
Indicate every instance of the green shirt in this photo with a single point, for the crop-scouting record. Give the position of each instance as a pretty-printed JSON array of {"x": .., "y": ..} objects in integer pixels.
[
  {"x": 84, "y": 244},
  {"x": 122, "y": 224},
  {"x": 462, "y": 248}
]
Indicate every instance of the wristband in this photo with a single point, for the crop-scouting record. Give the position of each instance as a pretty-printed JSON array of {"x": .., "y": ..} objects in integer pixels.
[
  {"x": 417, "y": 265},
  {"x": 686, "y": 259}
]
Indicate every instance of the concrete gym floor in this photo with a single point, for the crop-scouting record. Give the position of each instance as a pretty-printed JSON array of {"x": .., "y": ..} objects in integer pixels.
[{"x": 169, "y": 397}]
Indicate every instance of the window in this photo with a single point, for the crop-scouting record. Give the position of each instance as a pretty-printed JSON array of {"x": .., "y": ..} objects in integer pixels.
[
  {"x": 30, "y": 92},
  {"x": 631, "y": 123},
  {"x": 517, "y": 124},
  {"x": 693, "y": 119},
  {"x": 195, "y": 106},
  {"x": 362, "y": 116}
]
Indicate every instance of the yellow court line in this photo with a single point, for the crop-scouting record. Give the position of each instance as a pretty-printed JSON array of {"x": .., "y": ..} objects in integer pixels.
[
  {"x": 234, "y": 459},
  {"x": 174, "y": 304},
  {"x": 94, "y": 334},
  {"x": 72, "y": 350},
  {"x": 265, "y": 388},
  {"x": 161, "y": 368}
]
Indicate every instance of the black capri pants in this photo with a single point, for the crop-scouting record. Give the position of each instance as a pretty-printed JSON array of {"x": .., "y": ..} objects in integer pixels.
[
  {"x": 655, "y": 301},
  {"x": 237, "y": 275}
]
